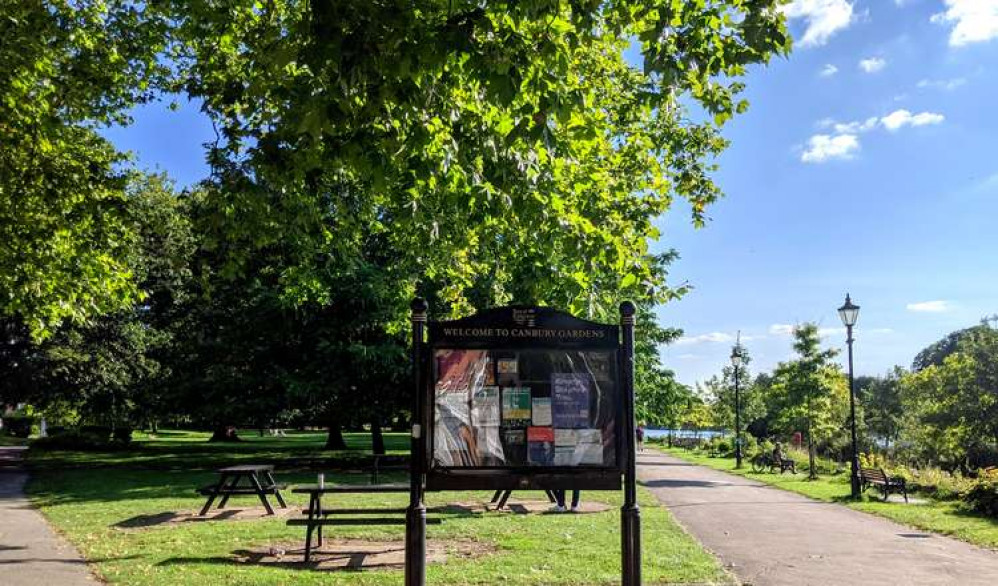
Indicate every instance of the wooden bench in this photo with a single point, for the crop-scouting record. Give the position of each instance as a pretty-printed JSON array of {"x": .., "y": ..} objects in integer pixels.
[{"x": 887, "y": 484}]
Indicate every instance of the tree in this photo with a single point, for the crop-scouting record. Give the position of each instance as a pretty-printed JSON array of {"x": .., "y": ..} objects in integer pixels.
[
  {"x": 881, "y": 399},
  {"x": 111, "y": 367},
  {"x": 505, "y": 151},
  {"x": 66, "y": 68},
  {"x": 808, "y": 384},
  {"x": 720, "y": 393},
  {"x": 954, "y": 405}
]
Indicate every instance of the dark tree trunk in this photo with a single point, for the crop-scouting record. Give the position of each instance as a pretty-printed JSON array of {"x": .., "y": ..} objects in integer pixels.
[
  {"x": 224, "y": 433},
  {"x": 335, "y": 440},
  {"x": 377, "y": 439}
]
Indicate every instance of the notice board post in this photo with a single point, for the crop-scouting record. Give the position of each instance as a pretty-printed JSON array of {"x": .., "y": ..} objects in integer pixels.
[
  {"x": 630, "y": 513},
  {"x": 415, "y": 518}
]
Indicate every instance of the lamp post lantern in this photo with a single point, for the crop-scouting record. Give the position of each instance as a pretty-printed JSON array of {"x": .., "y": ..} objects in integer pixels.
[
  {"x": 736, "y": 362},
  {"x": 849, "y": 313}
]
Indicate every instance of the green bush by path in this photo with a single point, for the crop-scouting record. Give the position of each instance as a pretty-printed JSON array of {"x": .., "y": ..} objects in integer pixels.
[
  {"x": 99, "y": 510},
  {"x": 946, "y": 517}
]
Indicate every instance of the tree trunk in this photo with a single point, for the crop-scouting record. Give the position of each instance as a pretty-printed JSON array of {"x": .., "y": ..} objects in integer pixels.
[
  {"x": 335, "y": 440},
  {"x": 224, "y": 433},
  {"x": 377, "y": 439}
]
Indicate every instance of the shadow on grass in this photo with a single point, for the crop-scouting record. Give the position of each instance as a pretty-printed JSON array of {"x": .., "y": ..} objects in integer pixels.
[{"x": 671, "y": 483}]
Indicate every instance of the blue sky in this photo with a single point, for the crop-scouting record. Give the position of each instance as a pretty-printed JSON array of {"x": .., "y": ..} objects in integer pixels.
[{"x": 867, "y": 163}]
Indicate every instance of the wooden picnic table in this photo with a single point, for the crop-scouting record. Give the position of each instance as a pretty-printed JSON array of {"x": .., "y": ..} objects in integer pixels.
[
  {"x": 317, "y": 516},
  {"x": 259, "y": 480}
]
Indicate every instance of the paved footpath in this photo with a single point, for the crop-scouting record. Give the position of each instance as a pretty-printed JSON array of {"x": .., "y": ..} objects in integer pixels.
[
  {"x": 767, "y": 536},
  {"x": 31, "y": 554}
]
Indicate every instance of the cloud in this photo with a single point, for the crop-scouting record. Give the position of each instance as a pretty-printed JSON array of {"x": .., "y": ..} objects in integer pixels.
[
  {"x": 824, "y": 147},
  {"x": 781, "y": 329},
  {"x": 702, "y": 338},
  {"x": 938, "y": 306},
  {"x": 973, "y": 21},
  {"x": 828, "y": 70},
  {"x": 872, "y": 64},
  {"x": 855, "y": 127},
  {"x": 824, "y": 18},
  {"x": 826, "y": 332},
  {"x": 942, "y": 84},
  {"x": 901, "y": 118}
]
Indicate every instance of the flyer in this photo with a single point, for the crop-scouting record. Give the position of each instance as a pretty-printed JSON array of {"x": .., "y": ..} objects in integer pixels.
[
  {"x": 515, "y": 405},
  {"x": 541, "y": 411},
  {"x": 508, "y": 366},
  {"x": 485, "y": 407},
  {"x": 540, "y": 446},
  {"x": 570, "y": 399}
]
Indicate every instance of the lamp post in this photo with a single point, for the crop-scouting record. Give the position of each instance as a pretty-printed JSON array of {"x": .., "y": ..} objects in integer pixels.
[
  {"x": 736, "y": 361},
  {"x": 849, "y": 314}
]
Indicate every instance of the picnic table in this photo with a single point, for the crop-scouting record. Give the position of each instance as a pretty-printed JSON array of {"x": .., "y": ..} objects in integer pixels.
[
  {"x": 259, "y": 480},
  {"x": 317, "y": 515},
  {"x": 501, "y": 496}
]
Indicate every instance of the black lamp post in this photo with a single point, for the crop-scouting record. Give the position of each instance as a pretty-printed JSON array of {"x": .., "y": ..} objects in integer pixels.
[
  {"x": 736, "y": 361},
  {"x": 849, "y": 314}
]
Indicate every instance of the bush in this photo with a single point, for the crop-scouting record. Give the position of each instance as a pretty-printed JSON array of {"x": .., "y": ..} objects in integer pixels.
[
  {"x": 80, "y": 440},
  {"x": 18, "y": 425},
  {"x": 101, "y": 432},
  {"x": 983, "y": 496},
  {"x": 123, "y": 435}
]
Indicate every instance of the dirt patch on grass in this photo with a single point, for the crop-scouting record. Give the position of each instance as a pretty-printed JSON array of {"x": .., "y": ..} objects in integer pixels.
[
  {"x": 360, "y": 554},
  {"x": 226, "y": 514},
  {"x": 519, "y": 507}
]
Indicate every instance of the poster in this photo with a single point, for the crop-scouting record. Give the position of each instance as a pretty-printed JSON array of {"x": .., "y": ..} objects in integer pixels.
[
  {"x": 515, "y": 405},
  {"x": 540, "y": 446},
  {"x": 589, "y": 447},
  {"x": 570, "y": 399},
  {"x": 485, "y": 407},
  {"x": 541, "y": 411},
  {"x": 508, "y": 366}
]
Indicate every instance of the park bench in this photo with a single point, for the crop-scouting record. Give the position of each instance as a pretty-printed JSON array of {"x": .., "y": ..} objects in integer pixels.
[
  {"x": 319, "y": 517},
  {"x": 887, "y": 484}
]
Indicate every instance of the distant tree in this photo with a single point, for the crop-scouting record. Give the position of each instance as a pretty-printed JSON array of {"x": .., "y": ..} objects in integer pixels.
[
  {"x": 720, "y": 393},
  {"x": 881, "y": 401},
  {"x": 807, "y": 386}
]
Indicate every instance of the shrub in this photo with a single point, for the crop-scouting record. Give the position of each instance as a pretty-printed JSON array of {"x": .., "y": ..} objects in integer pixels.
[
  {"x": 18, "y": 425},
  {"x": 80, "y": 440},
  {"x": 983, "y": 495}
]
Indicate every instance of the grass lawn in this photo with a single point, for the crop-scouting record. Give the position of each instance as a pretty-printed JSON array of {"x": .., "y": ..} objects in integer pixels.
[
  {"x": 946, "y": 517},
  {"x": 89, "y": 504}
]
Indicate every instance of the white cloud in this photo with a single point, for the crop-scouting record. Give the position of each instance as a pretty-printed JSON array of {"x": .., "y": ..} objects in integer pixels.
[
  {"x": 781, "y": 329},
  {"x": 855, "y": 127},
  {"x": 973, "y": 21},
  {"x": 828, "y": 70},
  {"x": 901, "y": 118},
  {"x": 826, "y": 332},
  {"x": 938, "y": 306},
  {"x": 824, "y": 18},
  {"x": 872, "y": 64},
  {"x": 711, "y": 337},
  {"x": 687, "y": 356},
  {"x": 943, "y": 84},
  {"x": 824, "y": 147}
]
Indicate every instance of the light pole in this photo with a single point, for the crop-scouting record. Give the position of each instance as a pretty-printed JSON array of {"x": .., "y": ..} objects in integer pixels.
[
  {"x": 736, "y": 361},
  {"x": 849, "y": 314}
]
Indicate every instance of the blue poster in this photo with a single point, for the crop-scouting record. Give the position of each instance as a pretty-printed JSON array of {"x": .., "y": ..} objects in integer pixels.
[{"x": 570, "y": 400}]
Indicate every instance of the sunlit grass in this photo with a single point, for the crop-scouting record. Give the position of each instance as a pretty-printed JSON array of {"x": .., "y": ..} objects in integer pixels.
[{"x": 89, "y": 505}]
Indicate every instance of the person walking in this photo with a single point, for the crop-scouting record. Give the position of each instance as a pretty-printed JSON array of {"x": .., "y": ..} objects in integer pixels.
[{"x": 640, "y": 433}]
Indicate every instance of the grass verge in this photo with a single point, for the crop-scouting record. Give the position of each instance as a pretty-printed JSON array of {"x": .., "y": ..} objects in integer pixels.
[
  {"x": 110, "y": 514},
  {"x": 946, "y": 517}
]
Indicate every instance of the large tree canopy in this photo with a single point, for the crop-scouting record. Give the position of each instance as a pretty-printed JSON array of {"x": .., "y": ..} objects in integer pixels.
[{"x": 501, "y": 151}]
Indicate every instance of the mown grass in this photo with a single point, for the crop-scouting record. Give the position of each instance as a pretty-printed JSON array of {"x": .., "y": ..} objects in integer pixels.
[
  {"x": 102, "y": 511},
  {"x": 6, "y": 440},
  {"x": 946, "y": 517}
]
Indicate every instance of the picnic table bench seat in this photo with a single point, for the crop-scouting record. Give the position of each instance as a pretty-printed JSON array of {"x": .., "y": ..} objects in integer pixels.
[
  {"x": 886, "y": 484},
  {"x": 319, "y": 517}
]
